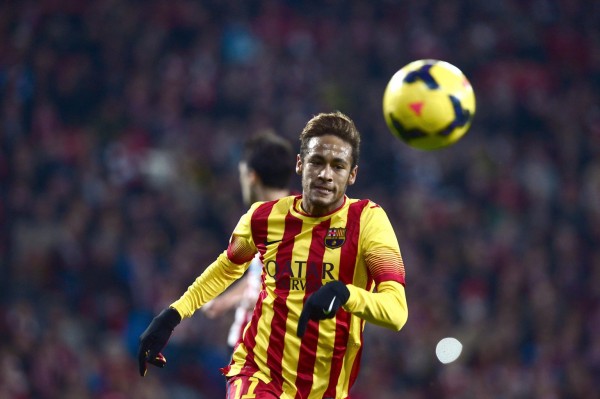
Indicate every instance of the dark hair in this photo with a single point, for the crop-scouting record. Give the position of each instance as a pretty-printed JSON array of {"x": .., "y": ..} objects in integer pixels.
[
  {"x": 335, "y": 123},
  {"x": 271, "y": 157}
]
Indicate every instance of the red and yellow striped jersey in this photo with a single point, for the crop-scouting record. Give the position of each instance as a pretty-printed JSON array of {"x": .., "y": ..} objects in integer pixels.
[{"x": 355, "y": 244}]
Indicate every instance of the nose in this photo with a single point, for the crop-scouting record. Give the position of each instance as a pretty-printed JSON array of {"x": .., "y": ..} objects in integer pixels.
[{"x": 326, "y": 173}]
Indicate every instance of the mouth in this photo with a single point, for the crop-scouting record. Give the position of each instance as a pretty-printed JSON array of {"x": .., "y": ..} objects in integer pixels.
[{"x": 322, "y": 190}]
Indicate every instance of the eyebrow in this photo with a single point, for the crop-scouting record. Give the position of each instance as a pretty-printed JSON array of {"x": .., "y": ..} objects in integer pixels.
[{"x": 321, "y": 157}]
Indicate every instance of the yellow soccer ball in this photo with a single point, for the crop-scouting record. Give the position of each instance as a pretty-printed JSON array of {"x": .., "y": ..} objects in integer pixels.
[{"x": 429, "y": 104}]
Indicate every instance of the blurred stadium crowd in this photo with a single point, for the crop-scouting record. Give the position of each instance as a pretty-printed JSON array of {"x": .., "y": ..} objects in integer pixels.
[{"x": 120, "y": 127}]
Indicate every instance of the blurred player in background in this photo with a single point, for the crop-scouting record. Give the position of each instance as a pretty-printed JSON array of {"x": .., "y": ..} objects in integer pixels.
[
  {"x": 330, "y": 264},
  {"x": 265, "y": 169}
]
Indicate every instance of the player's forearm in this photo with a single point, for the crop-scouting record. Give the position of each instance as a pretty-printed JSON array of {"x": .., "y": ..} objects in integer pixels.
[
  {"x": 387, "y": 307},
  {"x": 213, "y": 281}
]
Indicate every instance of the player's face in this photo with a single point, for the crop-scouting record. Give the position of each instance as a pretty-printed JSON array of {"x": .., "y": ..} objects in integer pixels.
[{"x": 326, "y": 172}]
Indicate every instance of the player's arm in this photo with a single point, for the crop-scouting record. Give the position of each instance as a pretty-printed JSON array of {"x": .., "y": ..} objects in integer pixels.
[
  {"x": 387, "y": 306},
  {"x": 212, "y": 282},
  {"x": 228, "y": 267}
]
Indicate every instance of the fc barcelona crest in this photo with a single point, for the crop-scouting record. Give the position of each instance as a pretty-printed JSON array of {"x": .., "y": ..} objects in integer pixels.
[{"x": 335, "y": 237}]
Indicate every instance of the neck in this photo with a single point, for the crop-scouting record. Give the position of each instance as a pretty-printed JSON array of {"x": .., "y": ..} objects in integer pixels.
[{"x": 318, "y": 211}]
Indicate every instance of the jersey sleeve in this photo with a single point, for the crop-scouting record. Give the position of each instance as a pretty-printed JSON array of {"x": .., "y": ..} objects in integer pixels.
[
  {"x": 387, "y": 306},
  {"x": 380, "y": 247},
  {"x": 228, "y": 267}
]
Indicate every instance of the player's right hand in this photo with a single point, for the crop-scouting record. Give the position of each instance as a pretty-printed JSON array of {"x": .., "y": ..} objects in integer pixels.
[{"x": 154, "y": 339}]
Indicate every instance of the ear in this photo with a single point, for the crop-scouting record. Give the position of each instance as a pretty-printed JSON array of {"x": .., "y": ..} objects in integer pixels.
[
  {"x": 247, "y": 174},
  {"x": 352, "y": 176},
  {"x": 298, "y": 165},
  {"x": 253, "y": 177}
]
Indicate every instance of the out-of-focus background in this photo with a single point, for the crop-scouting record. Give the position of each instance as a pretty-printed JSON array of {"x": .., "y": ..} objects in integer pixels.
[{"x": 121, "y": 123}]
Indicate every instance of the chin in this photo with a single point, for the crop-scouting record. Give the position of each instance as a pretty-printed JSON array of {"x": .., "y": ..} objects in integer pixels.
[
  {"x": 325, "y": 204},
  {"x": 319, "y": 200}
]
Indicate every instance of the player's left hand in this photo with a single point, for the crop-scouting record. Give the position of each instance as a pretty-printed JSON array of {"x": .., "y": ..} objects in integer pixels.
[{"x": 323, "y": 304}]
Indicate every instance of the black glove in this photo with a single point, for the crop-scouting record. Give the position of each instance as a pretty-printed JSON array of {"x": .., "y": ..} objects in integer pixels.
[
  {"x": 154, "y": 339},
  {"x": 323, "y": 304}
]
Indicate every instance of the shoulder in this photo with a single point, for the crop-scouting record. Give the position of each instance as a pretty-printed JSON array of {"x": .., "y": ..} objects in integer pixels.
[
  {"x": 371, "y": 213},
  {"x": 263, "y": 209},
  {"x": 366, "y": 205}
]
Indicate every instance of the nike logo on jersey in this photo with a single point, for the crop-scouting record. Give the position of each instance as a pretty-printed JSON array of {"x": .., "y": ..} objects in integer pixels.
[{"x": 267, "y": 243}]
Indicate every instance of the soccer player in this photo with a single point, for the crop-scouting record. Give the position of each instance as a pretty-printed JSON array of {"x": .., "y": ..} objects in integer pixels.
[
  {"x": 331, "y": 264},
  {"x": 265, "y": 170}
]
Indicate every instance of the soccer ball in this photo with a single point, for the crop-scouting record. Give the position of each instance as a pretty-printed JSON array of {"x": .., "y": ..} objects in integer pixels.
[{"x": 429, "y": 104}]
